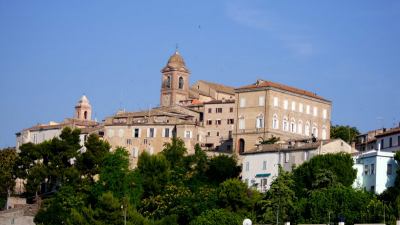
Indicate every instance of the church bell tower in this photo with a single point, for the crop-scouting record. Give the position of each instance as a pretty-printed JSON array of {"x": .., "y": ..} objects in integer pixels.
[
  {"x": 174, "y": 81},
  {"x": 83, "y": 109}
]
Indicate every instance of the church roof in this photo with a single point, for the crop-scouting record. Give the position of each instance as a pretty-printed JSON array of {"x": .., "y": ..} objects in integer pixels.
[
  {"x": 175, "y": 63},
  {"x": 83, "y": 101}
]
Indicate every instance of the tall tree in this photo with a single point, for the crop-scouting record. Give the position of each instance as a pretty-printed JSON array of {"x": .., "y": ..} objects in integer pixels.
[
  {"x": 346, "y": 133},
  {"x": 222, "y": 167},
  {"x": 8, "y": 158}
]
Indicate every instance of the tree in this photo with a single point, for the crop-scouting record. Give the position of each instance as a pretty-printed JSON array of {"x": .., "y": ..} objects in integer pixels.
[
  {"x": 280, "y": 199},
  {"x": 322, "y": 171},
  {"x": 346, "y": 133},
  {"x": 271, "y": 140},
  {"x": 89, "y": 162},
  {"x": 154, "y": 171},
  {"x": 8, "y": 158},
  {"x": 217, "y": 217},
  {"x": 233, "y": 195},
  {"x": 222, "y": 167}
]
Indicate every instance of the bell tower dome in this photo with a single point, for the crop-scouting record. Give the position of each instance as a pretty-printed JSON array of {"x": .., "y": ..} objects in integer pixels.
[
  {"x": 174, "y": 81},
  {"x": 83, "y": 109}
]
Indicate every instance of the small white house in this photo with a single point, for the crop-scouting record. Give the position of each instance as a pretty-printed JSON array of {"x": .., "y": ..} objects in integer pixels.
[
  {"x": 376, "y": 170},
  {"x": 260, "y": 166}
]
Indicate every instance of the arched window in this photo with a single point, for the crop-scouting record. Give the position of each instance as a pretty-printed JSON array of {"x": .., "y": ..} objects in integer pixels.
[
  {"x": 323, "y": 133},
  {"x": 285, "y": 124},
  {"x": 292, "y": 125},
  {"x": 315, "y": 130},
  {"x": 168, "y": 82},
  {"x": 275, "y": 122},
  {"x": 300, "y": 127},
  {"x": 180, "y": 82},
  {"x": 307, "y": 129},
  {"x": 260, "y": 121},
  {"x": 241, "y": 145},
  {"x": 85, "y": 115}
]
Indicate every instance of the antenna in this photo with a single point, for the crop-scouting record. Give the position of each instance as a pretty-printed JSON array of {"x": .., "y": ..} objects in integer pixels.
[{"x": 176, "y": 47}]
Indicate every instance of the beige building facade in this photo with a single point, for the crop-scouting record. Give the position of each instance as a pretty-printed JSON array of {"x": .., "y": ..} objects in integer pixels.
[
  {"x": 219, "y": 122},
  {"x": 148, "y": 131},
  {"x": 267, "y": 109}
]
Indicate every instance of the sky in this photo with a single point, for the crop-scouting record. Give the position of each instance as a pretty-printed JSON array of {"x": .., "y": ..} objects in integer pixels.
[{"x": 53, "y": 51}]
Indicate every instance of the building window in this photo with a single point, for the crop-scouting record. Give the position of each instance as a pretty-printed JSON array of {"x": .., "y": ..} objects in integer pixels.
[
  {"x": 241, "y": 123},
  {"x": 247, "y": 166},
  {"x": 135, "y": 152},
  {"x": 264, "y": 165},
  {"x": 372, "y": 188},
  {"x": 398, "y": 140},
  {"x": 300, "y": 127},
  {"x": 305, "y": 155},
  {"x": 128, "y": 141},
  {"x": 241, "y": 145},
  {"x": 217, "y": 122},
  {"x": 287, "y": 156},
  {"x": 242, "y": 102},
  {"x": 180, "y": 82},
  {"x": 217, "y": 134},
  {"x": 390, "y": 142},
  {"x": 275, "y": 122},
  {"x": 315, "y": 111},
  {"x": 230, "y": 134},
  {"x": 168, "y": 82},
  {"x": 372, "y": 168},
  {"x": 293, "y": 126},
  {"x": 315, "y": 131},
  {"x": 120, "y": 132},
  {"x": 285, "y": 124},
  {"x": 308, "y": 109},
  {"x": 145, "y": 141},
  {"x": 218, "y": 110},
  {"x": 231, "y": 121},
  {"x": 307, "y": 129},
  {"x": 382, "y": 144},
  {"x": 285, "y": 104},
  {"x": 260, "y": 121},
  {"x": 166, "y": 132},
  {"x": 209, "y": 122},
  {"x": 188, "y": 134},
  {"x": 293, "y": 106},
  {"x": 136, "y": 133},
  {"x": 301, "y": 107},
  {"x": 210, "y": 110},
  {"x": 208, "y": 134},
  {"x": 151, "y": 133},
  {"x": 231, "y": 109},
  {"x": 323, "y": 133},
  {"x": 261, "y": 100},
  {"x": 276, "y": 102},
  {"x": 366, "y": 169},
  {"x": 389, "y": 169},
  {"x": 324, "y": 114}
]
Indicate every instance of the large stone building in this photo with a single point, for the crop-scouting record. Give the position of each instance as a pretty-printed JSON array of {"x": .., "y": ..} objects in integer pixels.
[
  {"x": 43, "y": 132},
  {"x": 265, "y": 109},
  {"x": 184, "y": 112}
]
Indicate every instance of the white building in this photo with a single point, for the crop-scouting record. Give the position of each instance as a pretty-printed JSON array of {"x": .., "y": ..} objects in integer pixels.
[
  {"x": 260, "y": 166},
  {"x": 376, "y": 170}
]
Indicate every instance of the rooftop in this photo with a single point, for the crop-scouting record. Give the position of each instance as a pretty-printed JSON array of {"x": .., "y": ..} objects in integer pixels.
[{"x": 270, "y": 84}]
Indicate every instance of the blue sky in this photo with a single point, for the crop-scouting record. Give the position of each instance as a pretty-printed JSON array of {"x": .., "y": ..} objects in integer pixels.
[{"x": 52, "y": 52}]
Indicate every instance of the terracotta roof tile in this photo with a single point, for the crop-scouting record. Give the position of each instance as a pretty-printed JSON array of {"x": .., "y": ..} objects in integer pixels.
[{"x": 264, "y": 83}]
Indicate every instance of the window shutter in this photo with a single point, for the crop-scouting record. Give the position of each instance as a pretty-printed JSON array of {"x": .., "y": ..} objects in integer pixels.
[{"x": 148, "y": 132}]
